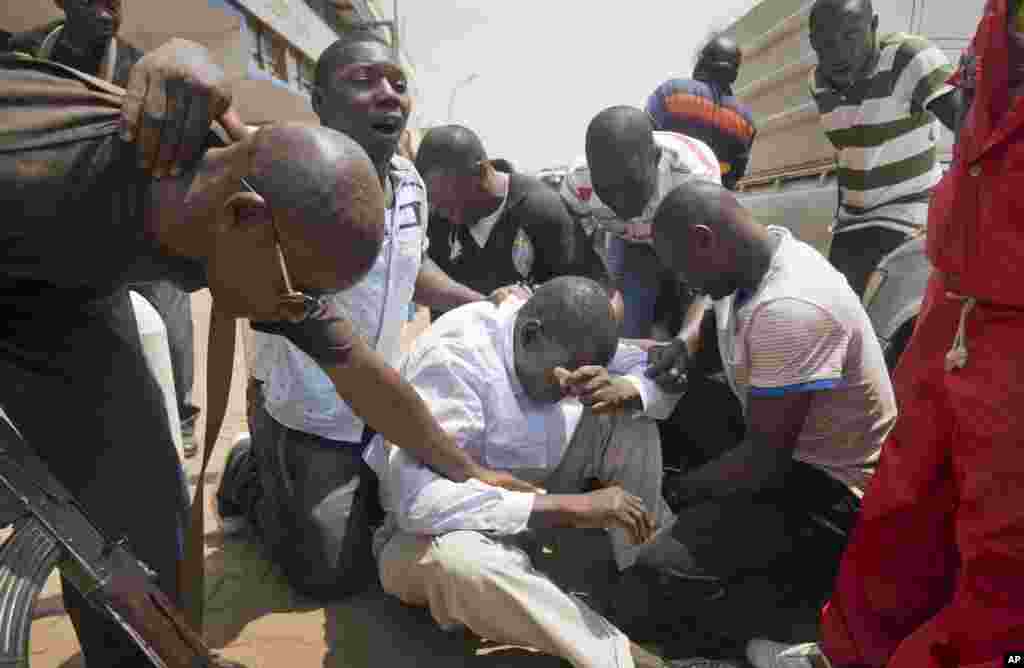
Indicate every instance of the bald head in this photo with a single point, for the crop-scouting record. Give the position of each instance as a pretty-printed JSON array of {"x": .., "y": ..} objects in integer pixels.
[
  {"x": 719, "y": 61},
  {"x": 450, "y": 148},
  {"x": 616, "y": 130},
  {"x": 704, "y": 235},
  {"x": 698, "y": 202},
  {"x": 326, "y": 201},
  {"x": 623, "y": 159},
  {"x": 316, "y": 194}
]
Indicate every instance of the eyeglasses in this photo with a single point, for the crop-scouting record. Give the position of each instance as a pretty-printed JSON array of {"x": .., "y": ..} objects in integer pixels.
[{"x": 291, "y": 299}]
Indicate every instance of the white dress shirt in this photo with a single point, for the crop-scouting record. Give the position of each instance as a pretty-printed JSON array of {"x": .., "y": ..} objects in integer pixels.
[
  {"x": 463, "y": 367},
  {"x": 298, "y": 393}
]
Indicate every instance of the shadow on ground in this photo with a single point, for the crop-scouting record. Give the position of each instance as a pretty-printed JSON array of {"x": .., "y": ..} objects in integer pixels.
[{"x": 250, "y": 607}]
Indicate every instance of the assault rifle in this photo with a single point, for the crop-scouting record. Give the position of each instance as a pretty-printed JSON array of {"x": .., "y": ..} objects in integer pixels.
[{"x": 52, "y": 531}]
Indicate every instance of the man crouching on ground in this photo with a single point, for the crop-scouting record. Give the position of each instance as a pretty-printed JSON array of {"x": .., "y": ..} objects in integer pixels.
[{"x": 539, "y": 389}]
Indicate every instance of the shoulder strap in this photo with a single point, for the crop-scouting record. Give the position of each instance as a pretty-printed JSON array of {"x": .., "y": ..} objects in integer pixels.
[{"x": 220, "y": 358}]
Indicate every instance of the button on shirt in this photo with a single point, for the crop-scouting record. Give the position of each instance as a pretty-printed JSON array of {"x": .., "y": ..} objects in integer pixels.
[
  {"x": 298, "y": 393},
  {"x": 464, "y": 369}
]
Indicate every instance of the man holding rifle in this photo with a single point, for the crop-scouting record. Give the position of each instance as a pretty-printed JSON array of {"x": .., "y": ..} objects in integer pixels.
[{"x": 86, "y": 217}]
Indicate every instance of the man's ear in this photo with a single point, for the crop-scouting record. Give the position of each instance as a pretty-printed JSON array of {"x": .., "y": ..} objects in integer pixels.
[
  {"x": 530, "y": 331},
  {"x": 485, "y": 173},
  {"x": 703, "y": 238},
  {"x": 247, "y": 209},
  {"x": 59, "y": 4}
]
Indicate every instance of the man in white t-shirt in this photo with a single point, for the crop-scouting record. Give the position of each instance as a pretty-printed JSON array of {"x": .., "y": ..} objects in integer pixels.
[
  {"x": 631, "y": 169},
  {"x": 800, "y": 354}
]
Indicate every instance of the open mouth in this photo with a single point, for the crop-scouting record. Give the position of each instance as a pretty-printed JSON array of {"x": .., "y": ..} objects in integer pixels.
[{"x": 388, "y": 126}]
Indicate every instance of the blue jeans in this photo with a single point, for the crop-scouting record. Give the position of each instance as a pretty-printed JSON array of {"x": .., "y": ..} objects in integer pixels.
[{"x": 637, "y": 272}]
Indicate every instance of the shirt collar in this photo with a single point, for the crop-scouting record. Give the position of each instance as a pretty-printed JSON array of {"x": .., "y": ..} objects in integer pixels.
[
  {"x": 742, "y": 297},
  {"x": 481, "y": 230},
  {"x": 507, "y": 313}
]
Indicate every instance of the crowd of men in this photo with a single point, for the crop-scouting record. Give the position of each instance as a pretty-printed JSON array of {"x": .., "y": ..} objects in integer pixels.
[{"x": 533, "y": 401}]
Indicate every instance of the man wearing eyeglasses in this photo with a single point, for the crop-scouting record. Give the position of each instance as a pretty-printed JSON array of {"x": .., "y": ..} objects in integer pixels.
[
  {"x": 299, "y": 482},
  {"x": 87, "y": 40}
]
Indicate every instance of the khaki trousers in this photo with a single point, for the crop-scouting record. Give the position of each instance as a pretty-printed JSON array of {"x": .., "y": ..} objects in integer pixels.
[{"x": 487, "y": 584}]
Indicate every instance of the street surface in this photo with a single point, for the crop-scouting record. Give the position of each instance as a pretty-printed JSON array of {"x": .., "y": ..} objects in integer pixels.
[{"x": 251, "y": 613}]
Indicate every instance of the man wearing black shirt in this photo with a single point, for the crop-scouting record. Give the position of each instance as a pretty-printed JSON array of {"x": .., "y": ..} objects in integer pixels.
[
  {"x": 86, "y": 39},
  {"x": 83, "y": 220},
  {"x": 490, "y": 229}
]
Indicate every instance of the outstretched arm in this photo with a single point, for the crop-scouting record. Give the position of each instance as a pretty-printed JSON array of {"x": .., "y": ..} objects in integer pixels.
[
  {"x": 437, "y": 290},
  {"x": 378, "y": 395}
]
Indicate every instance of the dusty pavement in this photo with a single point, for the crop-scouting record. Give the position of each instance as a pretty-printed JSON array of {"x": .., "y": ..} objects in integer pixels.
[{"x": 252, "y": 615}]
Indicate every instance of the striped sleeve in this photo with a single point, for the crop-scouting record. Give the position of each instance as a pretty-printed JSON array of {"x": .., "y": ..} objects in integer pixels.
[
  {"x": 794, "y": 346},
  {"x": 923, "y": 71}
]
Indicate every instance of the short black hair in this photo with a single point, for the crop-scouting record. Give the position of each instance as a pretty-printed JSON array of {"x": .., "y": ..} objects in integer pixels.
[
  {"x": 866, "y": 7},
  {"x": 334, "y": 55},
  {"x": 617, "y": 127},
  {"x": 576, "y": 312},
  {"x": 452, "y": 147}
]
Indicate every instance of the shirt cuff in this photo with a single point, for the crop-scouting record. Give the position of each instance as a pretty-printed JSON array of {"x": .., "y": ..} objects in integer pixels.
[
  {"x": 516, "y": 508},
  {"x": 937, "y": 93},
  {"x": 810, "y": 386},
  {"x": 658, "y": 404}
]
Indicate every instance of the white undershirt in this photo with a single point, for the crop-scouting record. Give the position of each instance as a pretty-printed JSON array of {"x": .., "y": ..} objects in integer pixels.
[{"x": 481, "y": 230}]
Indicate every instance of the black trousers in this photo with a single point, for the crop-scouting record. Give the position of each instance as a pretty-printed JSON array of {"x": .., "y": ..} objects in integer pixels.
[
  {"x": 857, "y": 253},
  {"x": 772, "y": 529},
  {"x": 312, "y": 502},
  {"x": 77, "y": 387}
]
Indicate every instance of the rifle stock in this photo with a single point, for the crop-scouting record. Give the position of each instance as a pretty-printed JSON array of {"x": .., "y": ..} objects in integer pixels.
[
  {"x": 130, "y": 596},
  {"x": 105, "y": 572}
]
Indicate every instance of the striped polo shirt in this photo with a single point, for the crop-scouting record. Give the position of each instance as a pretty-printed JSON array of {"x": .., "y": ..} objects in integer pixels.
[
  {"x": 885, "y": 138},
  {"x": 804, "y": 330}
]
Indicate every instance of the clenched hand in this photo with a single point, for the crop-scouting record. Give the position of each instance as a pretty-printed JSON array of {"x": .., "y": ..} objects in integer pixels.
[
  {"x": 669, "y": 365},
  {"x": 598, "y": 389},
  {"x": 612, "y": 506},
  {"x": 173, "y": 95}
]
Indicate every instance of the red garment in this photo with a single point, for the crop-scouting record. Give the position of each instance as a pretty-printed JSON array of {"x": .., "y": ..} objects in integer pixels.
[
  {"x": 982, "y": 254},
  {"x": 934, "y": 574}
]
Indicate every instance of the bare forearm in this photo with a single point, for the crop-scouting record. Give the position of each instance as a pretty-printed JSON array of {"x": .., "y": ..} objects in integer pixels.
[
  {"x": 379, "y": 396},
  {"x": 436, "y": 289},
  {"x": 552, "y": 511},
  {"x": 690, "y": 331}
]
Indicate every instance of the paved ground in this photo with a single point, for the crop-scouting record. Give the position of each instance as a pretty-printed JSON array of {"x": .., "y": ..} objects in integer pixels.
[{"x": 253, "y": 616}]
